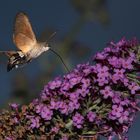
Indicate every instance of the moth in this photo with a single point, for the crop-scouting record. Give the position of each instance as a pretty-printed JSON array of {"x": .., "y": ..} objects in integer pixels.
[{"x": 28, "y": 46}]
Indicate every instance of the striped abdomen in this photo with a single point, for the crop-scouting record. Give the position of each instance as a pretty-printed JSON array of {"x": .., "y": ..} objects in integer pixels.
[{"x": 17, "y": 59}]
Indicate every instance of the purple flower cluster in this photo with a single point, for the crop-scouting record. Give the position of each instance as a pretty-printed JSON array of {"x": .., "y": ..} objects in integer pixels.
[
  {"x": 44, "y": 112},
  {"x": 78, "y": 120},
  {"x": 91, "y": 116},
  {"x": 92, "y": 99},
  {"x": 34, "y": 122}
]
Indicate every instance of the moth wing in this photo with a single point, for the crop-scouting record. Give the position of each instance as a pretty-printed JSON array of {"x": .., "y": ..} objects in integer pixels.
[{"x": 23, "y": 37}]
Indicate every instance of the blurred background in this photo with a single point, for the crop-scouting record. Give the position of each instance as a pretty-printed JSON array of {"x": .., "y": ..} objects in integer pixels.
[{"x": 83, "y": 27}]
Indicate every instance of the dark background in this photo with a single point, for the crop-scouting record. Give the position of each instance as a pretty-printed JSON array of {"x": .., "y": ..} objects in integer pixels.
[{"x": 83, "y": 27}]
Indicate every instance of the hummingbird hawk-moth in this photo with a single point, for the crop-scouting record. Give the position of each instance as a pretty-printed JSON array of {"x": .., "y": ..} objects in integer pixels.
[{"x": 25, "y": 40}]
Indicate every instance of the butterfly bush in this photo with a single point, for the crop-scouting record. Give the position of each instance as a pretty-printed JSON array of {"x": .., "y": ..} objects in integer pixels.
[{"x": 93, "y": 99}]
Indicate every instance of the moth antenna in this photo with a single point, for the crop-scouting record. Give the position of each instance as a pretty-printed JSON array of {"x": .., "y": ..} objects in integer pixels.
[
  {"x": 59, "y": 58},
  {"x": 50, "y": 37}
]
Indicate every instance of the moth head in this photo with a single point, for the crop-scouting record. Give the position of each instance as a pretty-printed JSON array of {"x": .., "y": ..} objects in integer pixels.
[{"x": 45, "y": 46}]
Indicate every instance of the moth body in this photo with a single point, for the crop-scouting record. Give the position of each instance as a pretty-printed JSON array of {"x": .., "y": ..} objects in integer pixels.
[{"x": 19, "y": 58}]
